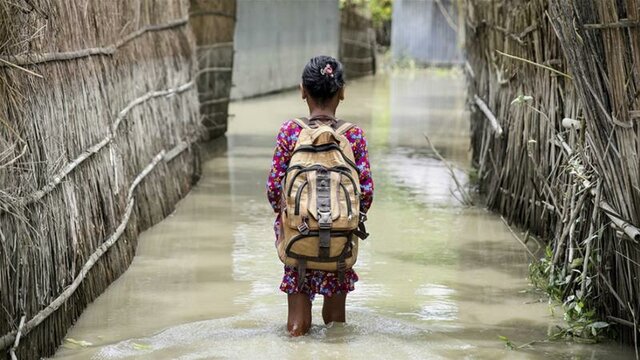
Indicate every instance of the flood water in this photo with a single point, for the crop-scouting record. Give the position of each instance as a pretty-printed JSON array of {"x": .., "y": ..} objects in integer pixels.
[{"x": 437, "y": 280}]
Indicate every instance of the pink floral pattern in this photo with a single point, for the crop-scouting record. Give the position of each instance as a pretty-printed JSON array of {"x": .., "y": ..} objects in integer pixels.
[{"x": 316, "y": 281}]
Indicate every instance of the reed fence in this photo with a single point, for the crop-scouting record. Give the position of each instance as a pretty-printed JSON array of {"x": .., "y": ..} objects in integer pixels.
[
  {"x": 357, "y": 41},
  {"x": 213, "y": 24},
  {"x": 555, "y": 85},
  {"x": 98, "y": 114}
]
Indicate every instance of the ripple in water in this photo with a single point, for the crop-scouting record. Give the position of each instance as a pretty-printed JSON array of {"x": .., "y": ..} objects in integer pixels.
[{"x": 262, "y": 334}]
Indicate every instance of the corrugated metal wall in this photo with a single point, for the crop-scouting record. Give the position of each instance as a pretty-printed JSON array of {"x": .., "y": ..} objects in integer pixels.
[
  {"x": 274, "y": 40},
  {"x": 424, "y": 30}
]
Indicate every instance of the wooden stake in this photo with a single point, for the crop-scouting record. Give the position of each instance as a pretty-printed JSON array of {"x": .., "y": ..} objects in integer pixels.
[
  {"x": 466, "y": 199},
  {"x": 533, "y": 257},
  {"x": 488, "y": 114},
  {"x": 12, "y": 352}
]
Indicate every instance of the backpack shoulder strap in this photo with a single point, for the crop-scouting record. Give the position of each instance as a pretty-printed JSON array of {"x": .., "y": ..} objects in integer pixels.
[
  {"x": 302, "y": 122},
  {"x": 343, "y": 126}
]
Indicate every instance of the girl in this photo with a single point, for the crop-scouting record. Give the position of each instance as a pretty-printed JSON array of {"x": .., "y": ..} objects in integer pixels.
[{"x": 323, "y": 89}]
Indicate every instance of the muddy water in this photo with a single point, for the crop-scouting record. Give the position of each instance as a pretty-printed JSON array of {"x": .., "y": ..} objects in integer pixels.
[{"x": 438, "y": 281}]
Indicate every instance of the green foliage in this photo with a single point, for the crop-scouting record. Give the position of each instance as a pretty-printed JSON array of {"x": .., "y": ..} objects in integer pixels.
[
  {"x": 507, "y": 343},
  {"x": 381, "y": 10},
  {"x": 474, "y": 178},
  {"x": 582, "y": 324},
  {"x": 540, "y": 276}
]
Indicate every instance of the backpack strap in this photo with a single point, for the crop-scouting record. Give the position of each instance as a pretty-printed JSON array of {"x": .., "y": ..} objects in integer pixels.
[
  {"x": 302, "y": 273},
  {"x": 343, "y": 127},
  {"x": 302, "y": 122}
]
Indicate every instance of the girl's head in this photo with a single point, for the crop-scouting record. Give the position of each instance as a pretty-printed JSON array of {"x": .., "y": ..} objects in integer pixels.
[{"x": 323, "y": 81}]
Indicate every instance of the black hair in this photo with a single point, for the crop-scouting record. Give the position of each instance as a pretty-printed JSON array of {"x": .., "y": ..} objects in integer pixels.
[{"x": 320, "y": 84}]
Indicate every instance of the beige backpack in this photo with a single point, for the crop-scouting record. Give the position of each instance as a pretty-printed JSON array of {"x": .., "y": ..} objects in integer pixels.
[{"x": 321, "y": 219}]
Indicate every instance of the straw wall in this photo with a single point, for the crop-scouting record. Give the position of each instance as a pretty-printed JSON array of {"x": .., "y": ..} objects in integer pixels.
[
  {"x": 97, "y": 113},
  {"x": 213, "y": 23},
  {"x": 357, "y": 42},
  {"x": 555, "y": 87}
]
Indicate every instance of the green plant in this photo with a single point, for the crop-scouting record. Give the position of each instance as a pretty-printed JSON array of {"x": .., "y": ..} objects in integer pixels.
[
  {"x": 381, "y": 10},
  {"x": 507, "y": 343},
  {"x": 581, "y": 319}
]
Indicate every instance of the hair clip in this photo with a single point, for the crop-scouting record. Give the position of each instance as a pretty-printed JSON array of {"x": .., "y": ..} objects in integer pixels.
[{"x": 327, "y": 70}]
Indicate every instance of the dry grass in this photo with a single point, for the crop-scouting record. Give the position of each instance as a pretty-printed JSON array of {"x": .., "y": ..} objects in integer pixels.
[
  {"x": 576, "y": 60},
  {"x": 116, "y": 96}
]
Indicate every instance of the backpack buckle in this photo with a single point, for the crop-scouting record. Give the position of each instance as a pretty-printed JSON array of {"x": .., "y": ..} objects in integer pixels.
[
  {"x": 324, "y": 219},
  {"x": 303, "y": 228}
]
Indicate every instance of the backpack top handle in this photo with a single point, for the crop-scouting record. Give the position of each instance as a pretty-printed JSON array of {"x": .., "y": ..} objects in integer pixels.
[{"x": 339, "y": 126}]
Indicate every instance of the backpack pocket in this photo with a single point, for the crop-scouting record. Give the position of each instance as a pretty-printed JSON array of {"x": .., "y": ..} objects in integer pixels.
[{"x": 341, "y": 197}]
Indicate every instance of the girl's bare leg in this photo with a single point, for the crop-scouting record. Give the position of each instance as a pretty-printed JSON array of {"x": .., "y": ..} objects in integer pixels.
[
  {"x": 333, "y": 309},
  {"x": 299, "y": 320}
]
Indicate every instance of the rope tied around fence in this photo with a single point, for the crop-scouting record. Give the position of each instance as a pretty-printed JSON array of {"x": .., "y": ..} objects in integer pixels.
[
  {"x": 163, "y": 155},
  {"x": 17, "y": 61},
  {"x": 95, "y": 148}
]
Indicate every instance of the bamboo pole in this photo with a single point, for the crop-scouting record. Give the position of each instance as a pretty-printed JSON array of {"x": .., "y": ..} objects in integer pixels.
[
  {"x": 531, "y": 255},
  {"x": 535, "y": 64},
  {"x": 623, "y": 23},
  {"x": 589, "y": 240},
  {"x": 488, "y": 114},
  {"x": 12, "y": 351}
]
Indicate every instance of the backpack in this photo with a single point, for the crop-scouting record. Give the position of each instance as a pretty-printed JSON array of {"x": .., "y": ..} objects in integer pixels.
[{"x": 321, "y": 219}]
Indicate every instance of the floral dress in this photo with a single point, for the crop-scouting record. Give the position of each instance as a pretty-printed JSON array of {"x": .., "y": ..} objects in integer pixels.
[{"x": 316, "y": 281}]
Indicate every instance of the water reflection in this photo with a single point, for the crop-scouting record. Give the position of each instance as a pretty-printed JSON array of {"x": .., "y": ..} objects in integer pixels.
[
  {"x": 438, "y": 303},
  {"x": 428, "y": 179}
]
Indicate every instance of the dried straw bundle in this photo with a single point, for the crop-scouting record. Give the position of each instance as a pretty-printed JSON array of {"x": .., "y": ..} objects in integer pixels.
[
  {"x": 99, "y": 110},
  {"x": 562, "y": 159},
  {"x": 357, "y": 41},
  {"x": 213, "y": 23}
]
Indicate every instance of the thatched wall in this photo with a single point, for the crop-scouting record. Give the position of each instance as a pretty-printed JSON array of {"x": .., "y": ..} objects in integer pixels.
[
  {"x": 357, "y": 42},
  {"x": 97, "y": 113},
  {"x": 562, "y": 159},
  {"x": 213, "y": 23}
]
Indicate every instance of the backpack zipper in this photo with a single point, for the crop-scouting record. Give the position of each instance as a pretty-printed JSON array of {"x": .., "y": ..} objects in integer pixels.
[
  {"x": 293, "y": 179},
  {"x": 339, "y": 169},
  {"x": 298, "y": 196},
  {"x": 348, "y": 198},
  {"x": 327, "y": 147},
  {"x": 346, "y": 172}
]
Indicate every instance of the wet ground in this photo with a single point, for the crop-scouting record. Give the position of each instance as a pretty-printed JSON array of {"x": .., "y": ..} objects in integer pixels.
[{"x": 438, "y": 280}]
